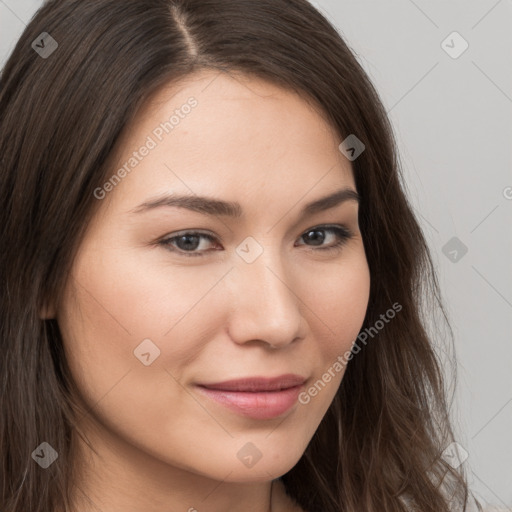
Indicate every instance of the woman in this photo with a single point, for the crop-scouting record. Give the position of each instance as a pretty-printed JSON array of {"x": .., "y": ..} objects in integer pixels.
[{"x": 170, "y": 341}]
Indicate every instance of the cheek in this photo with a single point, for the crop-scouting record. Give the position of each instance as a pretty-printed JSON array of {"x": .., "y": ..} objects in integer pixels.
[
  {"x": 107, "y": 311},
  {"x": 337, "y": 314},
  {"x": 124, "y": 299},
  {"x": 338, "y": 303},
  {"x": 115, "y": 301}
]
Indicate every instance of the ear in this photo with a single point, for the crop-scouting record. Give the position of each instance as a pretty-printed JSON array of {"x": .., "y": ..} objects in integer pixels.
[{"x": 48, "y": 311}]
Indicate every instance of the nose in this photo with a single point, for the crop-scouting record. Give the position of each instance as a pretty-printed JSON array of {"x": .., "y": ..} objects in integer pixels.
[{"x": 266, "y": 308}]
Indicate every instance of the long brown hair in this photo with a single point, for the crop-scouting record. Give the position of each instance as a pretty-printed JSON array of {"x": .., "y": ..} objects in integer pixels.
[{"x": 61, "y": 114}]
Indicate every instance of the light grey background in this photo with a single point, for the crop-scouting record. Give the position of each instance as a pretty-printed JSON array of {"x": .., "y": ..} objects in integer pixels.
[{"x": 453, "y": 122}]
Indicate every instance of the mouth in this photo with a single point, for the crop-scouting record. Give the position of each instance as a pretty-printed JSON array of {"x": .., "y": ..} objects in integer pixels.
[{"x": 256, "y": 397}]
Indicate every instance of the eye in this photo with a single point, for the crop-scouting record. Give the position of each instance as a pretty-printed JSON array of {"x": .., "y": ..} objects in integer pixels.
[
  {"x": 187, "y": 243},
  {"x": 316, "y": 235}
]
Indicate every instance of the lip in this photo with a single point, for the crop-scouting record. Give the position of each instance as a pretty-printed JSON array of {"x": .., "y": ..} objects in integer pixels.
[
  {"x": 254, "y": 384},
  {"x": 256, "y": 397}
]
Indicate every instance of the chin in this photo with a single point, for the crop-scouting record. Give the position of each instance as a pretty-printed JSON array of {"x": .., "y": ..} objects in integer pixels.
[{"x": 268, "y": 467}]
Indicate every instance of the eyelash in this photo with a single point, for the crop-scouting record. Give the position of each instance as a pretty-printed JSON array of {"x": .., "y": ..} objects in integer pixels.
[{"x": 342, "y": 233}]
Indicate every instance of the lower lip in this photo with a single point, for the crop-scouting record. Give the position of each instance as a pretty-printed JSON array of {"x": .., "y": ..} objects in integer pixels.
[{"x": 261, "y": 405}]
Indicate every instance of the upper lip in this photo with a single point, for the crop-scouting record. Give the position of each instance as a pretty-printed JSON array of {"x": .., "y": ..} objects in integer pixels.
[{"x": 258, "y": 383}]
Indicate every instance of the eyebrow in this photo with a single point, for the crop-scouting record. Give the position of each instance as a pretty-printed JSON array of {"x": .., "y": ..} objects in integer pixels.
[{"x": 218, "y": 207}]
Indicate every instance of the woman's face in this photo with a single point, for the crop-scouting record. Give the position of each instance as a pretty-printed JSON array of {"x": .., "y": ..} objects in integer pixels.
[{"x": 150, "y": 317}]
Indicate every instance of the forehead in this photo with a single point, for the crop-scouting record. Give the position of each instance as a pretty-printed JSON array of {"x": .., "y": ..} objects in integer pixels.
[{"x": 231, "y": 136}]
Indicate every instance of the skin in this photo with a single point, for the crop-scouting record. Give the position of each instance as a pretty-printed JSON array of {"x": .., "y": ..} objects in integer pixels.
[{"x": 159, "y": 444}]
